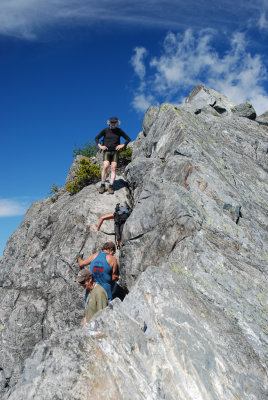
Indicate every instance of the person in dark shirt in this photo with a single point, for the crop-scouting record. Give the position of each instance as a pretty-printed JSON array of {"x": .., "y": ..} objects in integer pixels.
[{"x": 111, "y": 146}]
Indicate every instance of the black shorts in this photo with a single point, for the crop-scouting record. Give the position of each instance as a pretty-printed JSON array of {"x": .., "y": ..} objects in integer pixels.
[
  {"x": 111, "y": 155},
  {"x": 119, "y": 230}
]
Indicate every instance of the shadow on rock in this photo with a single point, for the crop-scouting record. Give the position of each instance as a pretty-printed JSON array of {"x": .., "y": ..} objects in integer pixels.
[{"x": 120, "y": 184}]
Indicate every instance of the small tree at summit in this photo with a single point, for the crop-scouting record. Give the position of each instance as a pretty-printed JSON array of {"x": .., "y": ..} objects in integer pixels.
[{"x": 86, "y": 173}]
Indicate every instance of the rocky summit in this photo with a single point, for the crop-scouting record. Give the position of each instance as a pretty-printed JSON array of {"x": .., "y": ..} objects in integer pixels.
[{"x": 194, "y": 324}]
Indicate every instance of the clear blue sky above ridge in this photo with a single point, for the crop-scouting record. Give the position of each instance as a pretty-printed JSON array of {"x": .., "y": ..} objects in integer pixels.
[{"x": 67, "y": 66}]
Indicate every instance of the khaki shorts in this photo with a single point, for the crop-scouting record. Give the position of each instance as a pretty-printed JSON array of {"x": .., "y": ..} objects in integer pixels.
[{"x": 111, "y": 156}]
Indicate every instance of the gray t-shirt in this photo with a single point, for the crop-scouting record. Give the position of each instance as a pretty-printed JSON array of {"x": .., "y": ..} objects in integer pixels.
[{"x": 98, "y": 299}]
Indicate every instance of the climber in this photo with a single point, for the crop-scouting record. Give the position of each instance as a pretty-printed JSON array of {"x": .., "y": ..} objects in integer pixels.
[
  {"x": 111, "y": 146},
  {"x": 103, "y": 266},
  {"x": 98, "y": 298},
  {"x": 120, "y": 216}
]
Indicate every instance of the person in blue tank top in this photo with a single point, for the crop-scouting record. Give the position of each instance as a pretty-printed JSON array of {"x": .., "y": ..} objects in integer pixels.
[{"x": 103, "y": 266}]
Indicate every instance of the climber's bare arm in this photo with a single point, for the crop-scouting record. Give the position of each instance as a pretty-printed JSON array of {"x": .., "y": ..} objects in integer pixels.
[
  {"x": 87, "y": 261},
  {"x": 112, "y": 261},
  {"x": 103, "y": 218}
]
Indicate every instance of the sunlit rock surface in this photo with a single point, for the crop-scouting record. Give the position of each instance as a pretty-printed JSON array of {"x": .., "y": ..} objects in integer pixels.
[
  {"x": 194, "y": 325},
  {"x": 165, "y": 341},
  {"x": 38, "y": 292}
]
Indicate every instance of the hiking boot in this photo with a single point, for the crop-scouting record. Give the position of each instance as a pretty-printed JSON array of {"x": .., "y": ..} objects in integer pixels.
[
  {"x": 102, "y": 188},
  {"x": 111, "y": 189}
]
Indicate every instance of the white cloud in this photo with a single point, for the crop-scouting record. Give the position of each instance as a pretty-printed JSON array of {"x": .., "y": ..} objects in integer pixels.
[
  {"x": 30, "y": 18},
  {"x": 137, "y": 61},
  {"x": 11, "y": 208},
  {"x": 263, "y": 23},
  {"x": 141, "y": 102},
  {"x": 189, "y": 59}
]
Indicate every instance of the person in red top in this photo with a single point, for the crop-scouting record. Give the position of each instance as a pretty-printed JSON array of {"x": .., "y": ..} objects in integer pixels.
[{"x": 110, "y": 147}]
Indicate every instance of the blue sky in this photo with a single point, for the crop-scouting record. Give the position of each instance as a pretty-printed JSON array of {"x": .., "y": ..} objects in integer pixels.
[{"x": 66, "y": 66}]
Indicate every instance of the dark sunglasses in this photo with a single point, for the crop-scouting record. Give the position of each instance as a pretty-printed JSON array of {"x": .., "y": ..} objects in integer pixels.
[{"x": 82, "y": 283}]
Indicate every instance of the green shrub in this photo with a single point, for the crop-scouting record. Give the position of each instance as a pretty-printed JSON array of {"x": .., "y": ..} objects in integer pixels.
[
  {"x": 87, "y": 150},
  {"x": 54, "y": 188},
  {"x": 126, "y": 153},
  {"x": 86, "y": 173}
]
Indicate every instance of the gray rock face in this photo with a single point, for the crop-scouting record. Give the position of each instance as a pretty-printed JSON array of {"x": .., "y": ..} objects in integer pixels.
[
  {"x": 165, "y": 341},
  {"x": 38, "y": 292},
  {"x": 194, "y": 325},
  {"x": 184, "y": 171},
  {"x": 200, "y": 188}
]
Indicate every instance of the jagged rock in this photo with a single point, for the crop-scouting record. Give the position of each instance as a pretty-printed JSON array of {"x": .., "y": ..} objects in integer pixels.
[
  {"x": 197, "y": 164},
  {"x": 72, "y": 171},
  {"x": 263, "y": 119},
  {"x": 202, "y": 97},
  {"x": 149, "y": 119},
  {"x": 194, "y": 326},
  {"x": 38, "y": 292},
  {"x": 167, "y": 340},
  {"x": 245, "y": 110}
]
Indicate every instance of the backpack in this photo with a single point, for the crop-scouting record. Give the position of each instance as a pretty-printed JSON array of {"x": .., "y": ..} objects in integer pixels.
[{"x": 121, "y": 213}]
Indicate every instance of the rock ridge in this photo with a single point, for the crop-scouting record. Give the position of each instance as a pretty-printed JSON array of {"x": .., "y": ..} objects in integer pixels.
[{"x": 194, "y": 324}]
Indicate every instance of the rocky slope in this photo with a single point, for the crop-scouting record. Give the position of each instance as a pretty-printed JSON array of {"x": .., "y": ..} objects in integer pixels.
[
  {"x": 38, "y": 292},
  {"x": 195, "y": 323}
]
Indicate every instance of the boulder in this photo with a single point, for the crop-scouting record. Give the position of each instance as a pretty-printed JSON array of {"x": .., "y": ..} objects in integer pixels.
[
  {"x": 201, "y": 97},
  {"x": 245, "y": 110}
]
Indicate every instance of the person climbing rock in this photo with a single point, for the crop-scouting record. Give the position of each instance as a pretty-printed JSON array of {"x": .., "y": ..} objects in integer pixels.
[
  {"x": 103, "y": 266},
  {"x": 120, "y": 216},
  {"x": 110, "y": 147},
  {"x": 98, "y": 298}
]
